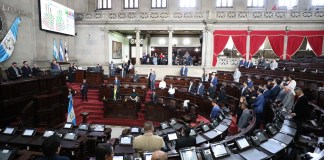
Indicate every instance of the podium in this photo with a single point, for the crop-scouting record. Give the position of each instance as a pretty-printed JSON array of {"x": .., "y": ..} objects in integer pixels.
[{"x": 80, "y": 75}]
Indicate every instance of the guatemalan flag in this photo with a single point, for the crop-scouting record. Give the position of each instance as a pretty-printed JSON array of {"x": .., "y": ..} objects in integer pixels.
[
  {"x": 61, "y": 52},
  {"x": 8, "y": 43},
  {"x": 55, "y": 52},
  {"x": 71, "y": 115}
]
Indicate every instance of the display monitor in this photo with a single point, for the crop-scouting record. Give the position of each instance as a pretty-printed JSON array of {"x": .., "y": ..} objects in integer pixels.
[
  {"x": 173, "y": 122},
  {"x": 164, "y": 125},
  {"x": 57, "y": 18},
  {"x": 242, "y": 143},
  {"x": 99, "y": 128},
  {"x": 172, "y": 136},
  {"x": 5, "y": 154},
  {"x": 48, "y": 133},
  {"x": 68, "y": 126},
  {"x": 261, "y": 136},
  {"x": 193, "y": 132},
  {"x": 219, "y": 150},
  {"x": 9, "y": 130},
  {"x": 135, "y": 130},
  {"x": 220, "y": 117},
  {"x": 147, "y": 156},
  {"x": 83, "y": 126},
  {"x": 271, "y": 129},
  {"x": 215, "y": 122},
  {"x": 118, "y": 158},
  {"x": 188, "y": 154},
  {"x": 205, "y": 128},
  {"x": 29, "y": 132},
  {"x": 70, "y": 136},
  {"x": 125, "y": 140}
]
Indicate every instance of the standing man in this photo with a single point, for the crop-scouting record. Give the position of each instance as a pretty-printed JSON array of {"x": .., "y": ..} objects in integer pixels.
[
  {"x": 122, "y": 73},
  {"x": 117, "y": 82},
  {"x": 14, "y": 72},
  {"x": 214, "y": 80},
  {"x": 112, "y": 68},
  {"x": 249, "y": 82},
  {"x": 115, "y": 93},
  {"x": 288, "y": 100},
  {"x": 26, "y": 70},
  {"x": 135, "y": 77},
  {"x": 237, "y": 75},
  {"x": 84, "y": 90},
  {"x": 185, "y": 140},
  {"x": 301, "y": 110},
  {"x": 72, "y": 71},
  {"x": 258, "y": 108},
  {"x": 273, "y": 65},
  {"x": 154, "y": 97},
  {"x": 244, "y": 118},
  {"x": 152, "y": 80},
  {"x": 211, "y": 91},
  {"x": 215, "y": 111},
  {"x": 183, "y": 71},
  {"x": 191, "y": 88},
  {"x": 200, "y": 89}
]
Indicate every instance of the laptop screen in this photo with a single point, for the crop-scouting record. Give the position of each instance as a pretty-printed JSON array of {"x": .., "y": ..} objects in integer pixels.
[
  {"x": 188, "y": 154},
  {"x": 70, "y": 136},
  {"x": 83, "y": 126},
  {"x": 68, "y": 126},
  {"x": 9, "y": 130},
  {"x": 135, "y": 130},
  {"x": 126, "y": 140},
  {"x": 99, "y": 128},
  {"x": 219, "y": 150},
  {"x": 164, "y": 125},
  {"x": 29, "y": 132},
  {"x": 48, "y": 133},
  {"x": 147, "y": 156},
  {"x": 242, "y": 143},
  {"x": 192, "y": 132},
  {"x": 261, "y": 137},
  {"x": 118, "y": 158},
  {"x": 172, "y": 136},
  {"x": 5, "y": 154},
  {"x": 205, "y": 128}
]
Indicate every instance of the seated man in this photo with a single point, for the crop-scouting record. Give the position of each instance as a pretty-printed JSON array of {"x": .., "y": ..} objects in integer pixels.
[
  {"x": 14, "y": 72},
  {"x": 274, "y": 65},
  {"x": 171, "y": 91},
  {"x": 186, "y": 140},
  {"x": 162, "y": 84},
  {"x": 36, "y": 70},
  {"x": 249, "y": 64},
  {"x": 51, "y": 147},
  {"x": 244, "y": 118},
  {"x": 104, "y": 151},
  {"x": 26, "y": 70},
  {"x": 134, "y": 96},
  {"x": 191, "y": 88},
  {"x": 148, "y": 141}
]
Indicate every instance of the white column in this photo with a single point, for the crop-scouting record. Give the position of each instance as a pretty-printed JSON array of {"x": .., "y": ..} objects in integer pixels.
[
  {"x": 170, "y": 47},
  {"x": 209, "y": 47},
  {"x": 285, "y": 46},
  {"x": 203, "y": 49},
  {"x": 248, "y": 46},
  {"x": 138, "y": 46}
]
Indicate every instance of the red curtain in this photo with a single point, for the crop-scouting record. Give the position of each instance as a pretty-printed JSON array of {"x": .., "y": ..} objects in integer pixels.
[
  {"x": 240, "y": 43},
  {"x": 294, "y": 43},
  {"x": 316, "y": 43},
  {"x": 219, "y": 45},
  {"x": 277, "y": 45},
  {"x": 256, "y": 42}
]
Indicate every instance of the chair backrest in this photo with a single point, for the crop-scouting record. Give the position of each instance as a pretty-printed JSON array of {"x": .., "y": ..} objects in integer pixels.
[
  {"x": 126, "y": 85},
  {"x": 172, "y": 103},
  {"x": 160, "y": 100}
]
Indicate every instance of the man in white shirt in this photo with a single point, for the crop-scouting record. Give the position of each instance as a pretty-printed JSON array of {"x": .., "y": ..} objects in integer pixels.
[
  {"x": 162, "y": 84},
  {"x": 237, "y": 75},
  {"x": 274, "y": 65},
  {"x": 171, "y": 91},
  {"x": 291, "y": 82}
]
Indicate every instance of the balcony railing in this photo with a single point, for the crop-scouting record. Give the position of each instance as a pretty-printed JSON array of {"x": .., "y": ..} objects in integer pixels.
[{"x": 198, "y": 17}]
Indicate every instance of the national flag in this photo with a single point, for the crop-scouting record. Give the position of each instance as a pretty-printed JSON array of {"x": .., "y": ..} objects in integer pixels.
[
  {"x": 71, "y": 114},
  {"x": 55, "y": 52},
  {"x": 66, "y": 52},
  {"x": 61, "y": 52},
  {"x": 8, "y": 43}
]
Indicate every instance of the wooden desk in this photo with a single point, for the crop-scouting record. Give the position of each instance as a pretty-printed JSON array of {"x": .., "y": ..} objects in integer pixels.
[
  {"x": 94, "y": 78},
  {"x": 121, "y": 109},
  {"x": 158, "y": 112},
  {"x": 80, "y": 75}
]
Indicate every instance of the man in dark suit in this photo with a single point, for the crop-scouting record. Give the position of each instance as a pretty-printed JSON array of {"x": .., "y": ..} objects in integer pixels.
[
  {"x": 115, "y": 93},
  {"x": 184, "y": 71},
  {"x": 116, "y": 82},
  {"x": 249, "y": 82},
  {"x": 36, "y": 70},
  {"x": 135, "y": 77},
  {"x": 26, "y": 70},
  {"x": 245, "y": 90},
  {"x": 71, "y": 72},
  {"x": 186, "y": 140},
  {"x": 200, "y": 89},
  {"x": 122, "y": 73},
  {"x": 211, "y": 91},
  {"x": 191, "y": 87},
  {"x": 266, "y": 92},
  {"x": 112, "y": 68},
  {"x": 51, "y": 146},
  {"x": 244, "y": 118},
  {"x": 152, "y": 80},
  {"x": 274, "y": 91},
  {"x": 214, "y": 80},
  {"x": 14, "y": 72},
  {"x": 249, "y": 64},
  {"x": 242, "y": 63},
  {"x": 301, "y": 110},
  {"x": 84, "y": 90},
  {"x": 258, "y": 108},
  {"x": 154, "y": 97}
]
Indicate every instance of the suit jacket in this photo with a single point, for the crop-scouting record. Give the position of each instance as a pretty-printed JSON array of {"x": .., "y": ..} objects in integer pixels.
[
  {"x": 249, "y": 65},
  {"x": 154, "y": 97},
  {"x": 152, "y": 77},
  {"x": 185, "y": 141},
  {"x": 266, "y": 94},
  {"x": 242, "y": 63},
  {"x": 301, "y": 108},
  {"x": 184, "y": 71},
  {"x": 36, "y": 71},
  {"x": 84, "y": 88},
  {"x": 274, "y": 92},
  {"x": 26, "y": 71},
  {"x": 214, "y": 81},
  {"x": 112, "y": 67},
  {"x": 288, "y": 101},
  {"x": 191, "y": 88},
  {"x": 258, "y": 104},
  {"x": 244, "y": 119},
  {"x": 12, "y": 73},
  {"x": 117, "y": 83},
  {"x": 211, "y": 91},
  {"x": 117, "y": 93},
  {"x": 122, "y": 74},
  {"x": 135, "y": 77},
  {"x": 245, "y": 91},
  {"x": 250, "y": 84},
  {"x": 200, "y": 89}
]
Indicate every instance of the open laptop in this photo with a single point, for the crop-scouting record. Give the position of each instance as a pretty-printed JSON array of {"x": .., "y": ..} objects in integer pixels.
[
  {"x": 126, "y": 140},
  {"x": 29, "y": 132},
  {"x": 9, "y": 130},
  {"x": 188, "y": 154},
  {"x": 219, "y": 150},
  {"x": 48, "y": 133},
  {"x": 84, "y": 127},
  {"x": 147, "y": 156},
  {"x": 68, "y": 125},
  {"x": 70, "y": 136}
]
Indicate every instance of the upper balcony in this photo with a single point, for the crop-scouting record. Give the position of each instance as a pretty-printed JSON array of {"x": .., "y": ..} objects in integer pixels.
[{"x": 103, "y": 17}]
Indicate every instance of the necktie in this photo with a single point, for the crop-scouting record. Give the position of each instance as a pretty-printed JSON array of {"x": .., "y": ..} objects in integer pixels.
[{"x": 16, "y": 70}]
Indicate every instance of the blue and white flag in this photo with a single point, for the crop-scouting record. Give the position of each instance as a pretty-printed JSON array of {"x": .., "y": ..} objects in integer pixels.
[
  {"x": 55, "y": 52},
  {"x": 71, "y": 115},
  {"x": 8, "y": 43},
  {"x": 61, "y": 52}
]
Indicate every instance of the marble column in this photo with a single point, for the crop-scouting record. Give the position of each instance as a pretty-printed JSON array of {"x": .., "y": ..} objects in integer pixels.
[
  {"x": 285, "y": 46},
  {"x": 170, "y": 47},
  {"x": 247, "y": 57},
  {"x": 203, "y": 49},
  {"x": 138, "y": 46},
  {"x": 209, "y": 47}
]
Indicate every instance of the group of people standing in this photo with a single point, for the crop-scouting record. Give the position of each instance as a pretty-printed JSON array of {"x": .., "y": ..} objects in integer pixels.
[{"x": 262, "y": 63}]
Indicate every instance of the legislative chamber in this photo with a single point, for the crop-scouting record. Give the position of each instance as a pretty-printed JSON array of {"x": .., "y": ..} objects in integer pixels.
[{"x": 162, "y": 79}]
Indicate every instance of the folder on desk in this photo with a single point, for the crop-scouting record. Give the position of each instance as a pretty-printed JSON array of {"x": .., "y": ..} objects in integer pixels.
[
  {"x": 288, "y": 130},
  {"x": 272, "y": 146},
  {"x": 253, "y": 154},
  {"x": 221, "y": 127},
  {"x": 286, "y": 139},
  {"x": 211, "y": 134}
]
